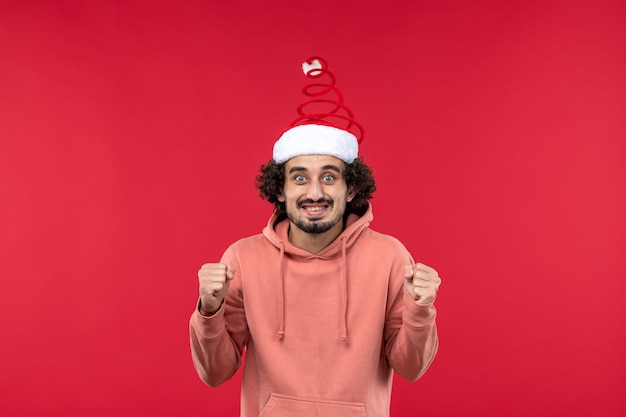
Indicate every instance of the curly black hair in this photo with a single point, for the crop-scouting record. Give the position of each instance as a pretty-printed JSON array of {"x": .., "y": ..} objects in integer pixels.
[{"x": 358, "y": 176}]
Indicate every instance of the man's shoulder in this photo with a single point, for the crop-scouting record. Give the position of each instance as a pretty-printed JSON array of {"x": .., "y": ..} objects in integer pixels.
[
  {"x": 255, "y": 248},
  {"x": 250, "y": 242},
  {"x": 375, "y": 234},
  {"x": 372, "y": 236}
]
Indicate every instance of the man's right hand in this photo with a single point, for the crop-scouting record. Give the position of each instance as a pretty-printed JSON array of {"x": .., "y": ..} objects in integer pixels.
[{"x": 214, "y": 281}]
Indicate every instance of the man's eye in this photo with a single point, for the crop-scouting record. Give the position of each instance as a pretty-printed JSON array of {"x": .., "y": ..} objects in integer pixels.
[
  {"x": 299, "y": 178},
  {"x": 328, "y": 178}
]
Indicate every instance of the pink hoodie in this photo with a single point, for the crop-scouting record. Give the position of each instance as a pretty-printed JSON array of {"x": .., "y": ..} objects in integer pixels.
[{"x": 323, "y": 332}]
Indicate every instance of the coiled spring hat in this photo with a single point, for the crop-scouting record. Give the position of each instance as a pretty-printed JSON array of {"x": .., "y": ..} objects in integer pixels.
[{"x": 325, "y": 125}]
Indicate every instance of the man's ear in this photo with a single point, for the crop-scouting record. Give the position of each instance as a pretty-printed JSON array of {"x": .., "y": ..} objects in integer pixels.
[
  {"x": 280, "y": 197},
  {"x": 351, "y": 194}
]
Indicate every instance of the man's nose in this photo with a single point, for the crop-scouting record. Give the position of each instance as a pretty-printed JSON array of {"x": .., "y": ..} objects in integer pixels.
[{"x": 315, "y": 191}]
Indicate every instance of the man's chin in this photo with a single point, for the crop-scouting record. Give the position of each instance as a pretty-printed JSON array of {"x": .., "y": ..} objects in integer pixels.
[
  {"x": 317, "y": 219},
  {"x": 314, "y": 226}
]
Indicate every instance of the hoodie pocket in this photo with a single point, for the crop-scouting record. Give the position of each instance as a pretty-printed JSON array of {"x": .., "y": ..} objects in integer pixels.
[{"x": 289, "y": 406}]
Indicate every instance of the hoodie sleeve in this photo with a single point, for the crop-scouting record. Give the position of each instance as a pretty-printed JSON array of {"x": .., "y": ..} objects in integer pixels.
[
  {"x": 410, "y": 338},
  {"x": 217, "y": 341}
]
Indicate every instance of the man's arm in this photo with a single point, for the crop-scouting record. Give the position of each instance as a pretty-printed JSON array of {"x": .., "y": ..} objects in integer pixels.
[
  {"x": 411, "y": 340},
  {"x": 216, "y": 351}
]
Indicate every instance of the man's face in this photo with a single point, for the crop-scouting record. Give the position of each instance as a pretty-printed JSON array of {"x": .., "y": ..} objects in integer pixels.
[{"x": 315, "y": 193}]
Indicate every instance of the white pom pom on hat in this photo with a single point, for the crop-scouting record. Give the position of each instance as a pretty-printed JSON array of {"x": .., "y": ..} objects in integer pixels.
[{"x": 332, "y": 132}]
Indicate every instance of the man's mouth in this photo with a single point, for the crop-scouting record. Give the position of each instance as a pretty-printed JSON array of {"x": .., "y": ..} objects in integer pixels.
[{"x": 315, "y": 209}]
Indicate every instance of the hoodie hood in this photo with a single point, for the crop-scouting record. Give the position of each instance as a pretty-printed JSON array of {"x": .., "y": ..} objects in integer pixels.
[{"x": 278, "y": 235}]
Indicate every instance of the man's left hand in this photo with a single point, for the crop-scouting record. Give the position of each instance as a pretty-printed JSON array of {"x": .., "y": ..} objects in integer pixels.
[{"x": 422, "y": 282}]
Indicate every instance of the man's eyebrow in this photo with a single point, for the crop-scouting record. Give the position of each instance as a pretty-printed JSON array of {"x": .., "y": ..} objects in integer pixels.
[
  {"x": 297, "y": 169},
  {"x": 331, "y": 167}
]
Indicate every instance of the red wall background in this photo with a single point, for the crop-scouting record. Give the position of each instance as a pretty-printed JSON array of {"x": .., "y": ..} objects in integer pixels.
[{"x": 131, "y": 132}]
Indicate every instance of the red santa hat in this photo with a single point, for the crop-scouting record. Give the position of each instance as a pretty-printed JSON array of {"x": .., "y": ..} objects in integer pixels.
[{"x": 327, "y": 128}]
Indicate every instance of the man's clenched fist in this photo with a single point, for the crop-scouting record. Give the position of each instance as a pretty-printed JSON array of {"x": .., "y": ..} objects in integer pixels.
[
  {"x": 422, "y": 283},
  {"x": 214, "y": 280}
]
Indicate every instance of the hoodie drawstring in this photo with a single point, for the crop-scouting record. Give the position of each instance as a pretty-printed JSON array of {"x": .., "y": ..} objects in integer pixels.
[
  {"x": 344, "y": 291},
  {"x": 281, "y": 296}
]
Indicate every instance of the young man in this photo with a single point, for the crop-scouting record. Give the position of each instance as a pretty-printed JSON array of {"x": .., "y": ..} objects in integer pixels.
[{"x": 325, "y": 307}]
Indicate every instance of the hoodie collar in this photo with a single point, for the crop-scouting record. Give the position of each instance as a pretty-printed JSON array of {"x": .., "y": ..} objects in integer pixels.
[{"x": 277, "y": 234}]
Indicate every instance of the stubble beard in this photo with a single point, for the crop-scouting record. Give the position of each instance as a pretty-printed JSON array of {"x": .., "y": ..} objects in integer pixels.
[{"x": 315, "y": 227}]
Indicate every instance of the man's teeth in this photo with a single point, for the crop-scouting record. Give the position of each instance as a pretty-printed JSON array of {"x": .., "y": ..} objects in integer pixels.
[{"x": 315, "y": 208}]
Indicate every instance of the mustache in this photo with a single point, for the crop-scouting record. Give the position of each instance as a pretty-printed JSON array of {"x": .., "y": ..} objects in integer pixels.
[{"x": 328, "y": 201}]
